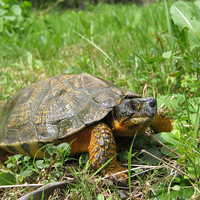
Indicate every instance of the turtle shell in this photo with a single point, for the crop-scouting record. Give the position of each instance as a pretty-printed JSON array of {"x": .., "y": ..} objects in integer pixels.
[{"x": 56, "y": 108}]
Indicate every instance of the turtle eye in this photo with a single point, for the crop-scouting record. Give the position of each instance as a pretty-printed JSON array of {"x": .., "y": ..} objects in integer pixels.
[{"x": 132, "y": 106}]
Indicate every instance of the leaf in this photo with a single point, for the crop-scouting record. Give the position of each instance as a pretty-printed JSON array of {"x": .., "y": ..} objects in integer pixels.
[
  {"x": 197, "y": 10},
  {"x": 150, "y": 160},
  {"x": 27, "y": 158},
  {"x": 56, "y": 164},
  {"x": 10, "y": 165},
  {"x": 16, "y": 10},
  {"x": 168, "y": 138},
  {"x": 100, "y": 197},
  {"x": 2, "y": 3},
  {"x": 26, "y": 173},
  {"x": 184, "y": 17},
  {"x": 180, "y": 19},
  {"x": 7, "y": 178},
  {"x": 64, "y": 149},
  {"x": 18, "y": 156},
  {"x": 10, "y": 18},
  {"x": 27, "y": 5},
  {"x": 176, "y": 188},
  {"x": 3, "y": 12},
  {"x": 41, "y": 164},
  {"x": 194, "y": 34},
  {"x": 167, "y": 54},
  {"x": 51, "y": 149}
]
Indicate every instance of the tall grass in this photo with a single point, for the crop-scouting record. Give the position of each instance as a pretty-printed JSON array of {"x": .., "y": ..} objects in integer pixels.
[{"x": 133, "y": 37}]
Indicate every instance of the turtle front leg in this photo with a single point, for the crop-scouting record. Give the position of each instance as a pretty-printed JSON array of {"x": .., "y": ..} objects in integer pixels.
[
  {"x": 101, "y": 148},
  {"x": 162, "y": 123}
]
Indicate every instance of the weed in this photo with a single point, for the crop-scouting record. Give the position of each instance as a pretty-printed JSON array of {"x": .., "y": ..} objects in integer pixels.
[
  {"x": 25, "y": 168},
  {"x": 15, "y": 15}
]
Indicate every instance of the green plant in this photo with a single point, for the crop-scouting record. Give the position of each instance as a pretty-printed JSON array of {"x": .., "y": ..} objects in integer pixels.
[
  {"x": 186, "y": 25},
  {"x": 7, "y": 178},
  {"x": 184, "y": 140},
  {"x": 14, "y": 15},
  {"x": 24, "y": 167}
]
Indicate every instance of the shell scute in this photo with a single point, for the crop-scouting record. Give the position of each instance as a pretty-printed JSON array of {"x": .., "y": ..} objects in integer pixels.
[{"x": 46, "y": 131}]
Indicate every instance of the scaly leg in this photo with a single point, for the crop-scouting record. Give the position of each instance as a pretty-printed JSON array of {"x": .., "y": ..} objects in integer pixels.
[
  {"x": 162, "y": 123},
  {"x": 101, "y": 148}
]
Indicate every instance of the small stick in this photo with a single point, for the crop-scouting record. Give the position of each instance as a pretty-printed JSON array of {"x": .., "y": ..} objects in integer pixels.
[
  {"x": 149, "y": 134},
  {"x": 45, "y": 191},
  {"x": 24, "y": 185},
  {"x": 178, "y": 170}
]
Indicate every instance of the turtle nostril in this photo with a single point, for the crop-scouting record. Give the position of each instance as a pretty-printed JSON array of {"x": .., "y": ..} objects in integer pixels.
[{"x": 152, "y": 103}]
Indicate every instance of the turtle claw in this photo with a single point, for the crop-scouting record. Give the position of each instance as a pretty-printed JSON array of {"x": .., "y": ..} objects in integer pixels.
[
  {"x": 117, "y": 176},
  {"x": 119, "y": 180}
]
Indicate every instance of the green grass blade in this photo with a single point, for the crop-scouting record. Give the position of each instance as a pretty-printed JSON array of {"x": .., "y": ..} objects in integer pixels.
[
  {"x": 196, "y": 126},
  {"x": 129, "y": 165},
  {"x": 168, "y": 24},
  {"x": 98, "y": 48}
]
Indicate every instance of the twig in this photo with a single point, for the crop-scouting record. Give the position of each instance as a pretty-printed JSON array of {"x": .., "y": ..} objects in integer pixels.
[
  {"x": 149, "y": 134},
  {"x": 178, "y": 170},
  {"x": 45, "y": 191},
  {"x": 161, "y": 180},
  {"x": 133, "y": 169},
  {"x": 24, "y": 185}
]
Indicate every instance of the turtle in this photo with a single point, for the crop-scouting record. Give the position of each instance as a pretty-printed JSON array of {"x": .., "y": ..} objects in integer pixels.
[{"x": 80, "y": 109}]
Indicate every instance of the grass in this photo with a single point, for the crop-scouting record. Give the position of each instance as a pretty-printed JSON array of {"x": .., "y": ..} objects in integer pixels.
[
  {"x": 50, "y": 48},
  {"x": 135, "y": 48}
]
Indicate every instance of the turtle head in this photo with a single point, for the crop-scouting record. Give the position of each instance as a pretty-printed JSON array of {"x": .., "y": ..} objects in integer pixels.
[{"x": 133, "y": 115}]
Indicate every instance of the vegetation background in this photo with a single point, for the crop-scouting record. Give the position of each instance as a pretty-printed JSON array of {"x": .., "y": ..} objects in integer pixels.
[
  {"x": 150, "y": 48},
  {"x": 82, "y": 4}
]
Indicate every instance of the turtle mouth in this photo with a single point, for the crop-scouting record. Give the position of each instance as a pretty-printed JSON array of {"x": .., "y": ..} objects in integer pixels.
[
  {"x": 142, "y": 122},
  {"x": 131, "y": 126},
  {"x": 140, "y": 119}
]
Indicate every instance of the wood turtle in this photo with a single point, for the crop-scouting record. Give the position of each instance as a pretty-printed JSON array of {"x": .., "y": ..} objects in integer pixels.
[{"x": 81, "y": 108}]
